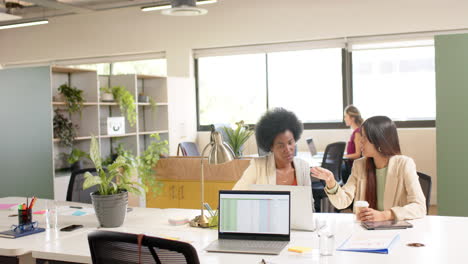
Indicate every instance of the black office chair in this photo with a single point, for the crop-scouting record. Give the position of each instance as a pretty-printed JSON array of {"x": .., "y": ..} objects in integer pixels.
[
  {"x": 188, "y": 149},
  {"x": 118, "y": 248},
  {"x": 332, "y": 160},
  {"x": 426, "y": 185},
  {"x": 75, "y": 192}
]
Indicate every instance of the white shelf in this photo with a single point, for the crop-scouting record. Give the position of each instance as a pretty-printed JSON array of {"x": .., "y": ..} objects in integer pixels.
[
  {"x": 76, "y": 138},
  {"x": 152, "y": 132},
  {"x": 84, "y": 104},
  {"x": 148, "y": 104},
  {"x": 115, "y": 136}
]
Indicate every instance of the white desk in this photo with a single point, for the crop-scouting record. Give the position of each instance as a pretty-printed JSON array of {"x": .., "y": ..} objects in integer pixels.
[{"x": 446, "y": 240}]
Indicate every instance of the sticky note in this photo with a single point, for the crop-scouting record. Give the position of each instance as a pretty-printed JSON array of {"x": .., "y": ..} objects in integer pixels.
[
  {"x": 40, "y": 212},
  {"x": 79, "y": 213},
  {"x": 299, "y": 249}
]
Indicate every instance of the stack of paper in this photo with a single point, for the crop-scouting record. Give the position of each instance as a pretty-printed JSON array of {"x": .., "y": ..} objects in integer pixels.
[{"x": 370, "y": 242}]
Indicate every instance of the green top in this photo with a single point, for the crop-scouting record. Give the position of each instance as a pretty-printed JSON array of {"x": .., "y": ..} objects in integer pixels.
[{"x": 381, "y": 176}]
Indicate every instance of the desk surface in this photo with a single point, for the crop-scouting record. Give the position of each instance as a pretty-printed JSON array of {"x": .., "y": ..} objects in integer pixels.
[{"x": 445, "y": 239}]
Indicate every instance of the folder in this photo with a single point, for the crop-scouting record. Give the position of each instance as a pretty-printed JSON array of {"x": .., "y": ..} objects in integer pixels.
[
  {"x": 370, "y": 242},
  {"x": 20, "y": 233}
]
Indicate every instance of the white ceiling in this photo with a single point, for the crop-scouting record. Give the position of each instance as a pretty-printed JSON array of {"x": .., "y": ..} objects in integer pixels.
[{"x": 37, "y": 9}]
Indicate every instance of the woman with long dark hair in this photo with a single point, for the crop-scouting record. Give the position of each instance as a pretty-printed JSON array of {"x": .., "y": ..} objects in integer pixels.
[{"x": 383, "y": 177}]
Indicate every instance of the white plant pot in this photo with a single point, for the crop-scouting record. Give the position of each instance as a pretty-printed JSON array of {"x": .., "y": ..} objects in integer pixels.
[{"x": 107, "y": 97}]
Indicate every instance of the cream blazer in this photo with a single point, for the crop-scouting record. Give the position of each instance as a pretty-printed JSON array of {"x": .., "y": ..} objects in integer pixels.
[
  {"x": 403, "y": 194},
  {"x": 263, "y": 171}
]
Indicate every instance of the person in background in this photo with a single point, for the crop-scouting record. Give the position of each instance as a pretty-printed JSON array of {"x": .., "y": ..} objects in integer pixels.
[
  {"x": 353, "y": 119},
  {"x": 383, "y": 177},
  {"x": 277, "y": 132}
]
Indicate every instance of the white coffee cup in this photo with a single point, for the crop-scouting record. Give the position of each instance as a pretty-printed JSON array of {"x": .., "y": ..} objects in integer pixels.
[{"x": 358, "y": 205}]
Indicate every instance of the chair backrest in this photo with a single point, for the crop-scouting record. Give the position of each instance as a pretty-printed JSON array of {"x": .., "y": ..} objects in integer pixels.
[
  {"x": 114, "y": 247},
  {"x": 333, "y": 158},
  {"x": 75, "y": 192},
  {"x": 189, "y": 149},
  {"x": 426, "y": 186}
]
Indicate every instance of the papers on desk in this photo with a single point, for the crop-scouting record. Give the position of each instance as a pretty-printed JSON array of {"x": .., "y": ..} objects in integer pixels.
[
  {"x": 370, "y": 242},
  {"x": 7, "y": 206},
  {"x": 67, "y": 211}
]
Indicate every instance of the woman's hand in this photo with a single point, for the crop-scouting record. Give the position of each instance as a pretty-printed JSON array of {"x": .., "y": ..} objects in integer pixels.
[
  {"x": 369, "y": 214},
  {"x": 323, "y": 174}
]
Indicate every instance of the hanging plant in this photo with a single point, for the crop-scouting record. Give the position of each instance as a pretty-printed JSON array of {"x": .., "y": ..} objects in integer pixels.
[
  {"x": 63, "y": 129},
  {"x": 73, "y": 97},
  {"x": 126, "y": 103}
]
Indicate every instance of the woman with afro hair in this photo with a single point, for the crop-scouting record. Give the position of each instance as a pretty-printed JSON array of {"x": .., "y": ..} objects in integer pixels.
[{"x": 277, "y": 132}]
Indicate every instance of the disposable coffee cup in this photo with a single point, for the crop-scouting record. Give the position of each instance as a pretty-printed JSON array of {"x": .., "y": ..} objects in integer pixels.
[{"x": 358, "y": 205}]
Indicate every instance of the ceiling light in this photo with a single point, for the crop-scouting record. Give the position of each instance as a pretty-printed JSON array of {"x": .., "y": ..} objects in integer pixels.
[
  {"x": 181, "y": 8},
  {"x": 25, "y": 24}
]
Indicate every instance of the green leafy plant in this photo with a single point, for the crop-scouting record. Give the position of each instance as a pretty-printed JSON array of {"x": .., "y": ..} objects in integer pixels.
[
  {"x": 106, "y": 90},
  {"x": 123, "y": 168},
  {"x": 76, "y": 155},
  {"x": 120, "y": 170},
  {"x": 148, "y": 160},
  {"x": 238, "y": 137},
  {"x": 153, "y": 104},
  {"x": 126, "y": 103},
  {"x": 63, "y": 129},
  {"x": 73, "y": 97}
]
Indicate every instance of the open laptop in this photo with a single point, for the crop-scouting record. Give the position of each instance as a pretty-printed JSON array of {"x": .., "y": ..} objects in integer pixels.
[
  {"x": 313, "y": 149},
  {"x": 301, "y": 204},
  {"x": 255, "y": 222}
]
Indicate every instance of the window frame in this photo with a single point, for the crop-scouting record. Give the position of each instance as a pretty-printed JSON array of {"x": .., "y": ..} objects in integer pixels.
[{"x": 347, "y": 80}]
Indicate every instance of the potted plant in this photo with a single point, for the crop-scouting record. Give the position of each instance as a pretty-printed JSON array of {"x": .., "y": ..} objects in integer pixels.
[
  {"x": 106, "y": 94},
  {"x": 126, "y": 103},
  {"x": 63, "y": 129},
  {"x": 75, "y": 159},
  {"x": 238, "y": 137},
  {"x": 73, "y": 97},
  {"x": 148, "y": 160},
  {"x": 114, "y": 184}
]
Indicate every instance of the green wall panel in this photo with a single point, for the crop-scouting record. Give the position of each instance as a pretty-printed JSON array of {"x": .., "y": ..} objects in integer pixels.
[
  {"x": 26, "y": 132},
  {"x": 452, "y": 124}
]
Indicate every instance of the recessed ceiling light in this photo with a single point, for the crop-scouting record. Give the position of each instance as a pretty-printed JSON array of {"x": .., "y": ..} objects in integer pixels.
[
  {"x": 25, "y": 24},
  {"x": 181, "y": 8}
]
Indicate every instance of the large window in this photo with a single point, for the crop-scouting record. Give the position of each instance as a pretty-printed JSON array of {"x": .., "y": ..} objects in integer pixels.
[
  {"x": 309, "y": 83},
  {"x": 396, "y": 79},
  {"x": 397, "y": 82},
  {"x": 231, "y": 88}
]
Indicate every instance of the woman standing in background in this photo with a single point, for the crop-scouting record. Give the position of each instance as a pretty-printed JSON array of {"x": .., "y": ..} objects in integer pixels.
[{"x": 353, "y": 119}]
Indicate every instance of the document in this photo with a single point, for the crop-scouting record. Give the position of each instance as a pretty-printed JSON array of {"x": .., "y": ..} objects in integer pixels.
[{"x": 370, "y": 242}]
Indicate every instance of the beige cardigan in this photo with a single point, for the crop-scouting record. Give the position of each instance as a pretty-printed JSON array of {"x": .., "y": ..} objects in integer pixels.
[
  {"x": 263, "y": 171},
  {"x": 403, "y": 194}
]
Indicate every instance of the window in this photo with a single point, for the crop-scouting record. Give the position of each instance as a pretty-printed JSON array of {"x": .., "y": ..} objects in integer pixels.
[
  {"x": 150, "y": 67},
  {"x": 307, "y": 82},
  {"x": 231, "y": 88},
  {"x": 397, "y": 82}
]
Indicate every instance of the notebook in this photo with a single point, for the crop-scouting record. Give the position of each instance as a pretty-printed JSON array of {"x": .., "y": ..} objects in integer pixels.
[
  {"x": 370, "y": 242},
  {"x": 19, "y": 233},
  {"x": 256, "y": 222},
  {"x": 301, "y": 204}
]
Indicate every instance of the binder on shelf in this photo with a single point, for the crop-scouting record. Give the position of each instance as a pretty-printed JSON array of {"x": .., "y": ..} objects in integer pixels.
[
  {"x": 20, "y": 233},
  {"x": 370, "y": 242}
]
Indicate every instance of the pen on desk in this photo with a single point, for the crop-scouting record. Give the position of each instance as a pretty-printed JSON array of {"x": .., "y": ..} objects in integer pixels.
[
  {"x": 33, "y": 201},
  {"x": 208, "y": 207}
]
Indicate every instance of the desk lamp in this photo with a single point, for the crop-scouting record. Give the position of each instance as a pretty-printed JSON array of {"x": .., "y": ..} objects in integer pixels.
[{"x": 219, "y": 153}]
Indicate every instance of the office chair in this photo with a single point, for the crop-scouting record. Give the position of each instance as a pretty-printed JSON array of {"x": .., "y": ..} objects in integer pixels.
[
  {"x": 426, "y": 186},
  {"x": 75, "y": 192},
  {"x": 117, "y": 248},
  {"x": 332, "y": 160},
  {"x": 188, "y": 149}
]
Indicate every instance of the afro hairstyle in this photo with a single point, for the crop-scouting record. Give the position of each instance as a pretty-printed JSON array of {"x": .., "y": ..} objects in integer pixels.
[{"x": 274, "y": 122}]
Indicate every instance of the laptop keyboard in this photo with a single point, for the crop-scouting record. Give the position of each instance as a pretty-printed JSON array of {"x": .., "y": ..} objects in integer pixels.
[{"x": 251, "y": 244}]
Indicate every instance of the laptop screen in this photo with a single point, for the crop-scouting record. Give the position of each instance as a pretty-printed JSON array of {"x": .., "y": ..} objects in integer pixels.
[{"x": 259, "y": 213}]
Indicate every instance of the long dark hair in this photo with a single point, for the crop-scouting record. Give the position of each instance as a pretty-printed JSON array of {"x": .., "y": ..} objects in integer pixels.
[{"x": 382, "y": 133}]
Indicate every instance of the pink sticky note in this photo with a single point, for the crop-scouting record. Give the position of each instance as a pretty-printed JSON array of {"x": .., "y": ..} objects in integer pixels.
[
  {"x": 40, "y": 212},
  {"x": 6, "y": 206}
]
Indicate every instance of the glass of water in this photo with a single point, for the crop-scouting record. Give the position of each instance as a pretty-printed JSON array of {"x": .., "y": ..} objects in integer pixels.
[
  {"x": 51, "y": 214},
  {"x": 326, "y": 234}
]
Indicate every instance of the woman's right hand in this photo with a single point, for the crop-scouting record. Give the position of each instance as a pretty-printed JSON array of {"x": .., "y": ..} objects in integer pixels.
[{"x": 323, "y": 174}]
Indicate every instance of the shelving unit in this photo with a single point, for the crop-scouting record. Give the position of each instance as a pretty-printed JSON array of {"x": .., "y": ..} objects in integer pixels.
[{"x": 93, "y": 118}]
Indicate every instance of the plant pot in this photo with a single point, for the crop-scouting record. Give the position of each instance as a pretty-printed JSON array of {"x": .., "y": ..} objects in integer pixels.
[
  {"x": 77, "y": 166},
  {"x": 107, "y": 97},
  {"x": 110, "y": 209},
  {"x": 143, "y": 99}
]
